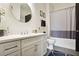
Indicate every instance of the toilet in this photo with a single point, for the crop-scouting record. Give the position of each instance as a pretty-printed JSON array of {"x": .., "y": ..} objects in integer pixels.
[{"x": 50, "y": 43}]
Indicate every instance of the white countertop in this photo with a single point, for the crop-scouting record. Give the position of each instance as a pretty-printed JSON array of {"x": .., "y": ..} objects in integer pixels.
[{"x": 18, "y": 37}]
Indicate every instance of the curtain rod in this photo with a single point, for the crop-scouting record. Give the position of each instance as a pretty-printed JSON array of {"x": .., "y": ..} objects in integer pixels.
[{"x": 63, "y": 9}]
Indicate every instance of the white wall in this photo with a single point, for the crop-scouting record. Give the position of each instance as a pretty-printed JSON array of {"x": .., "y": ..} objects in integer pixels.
[
  {"x": 66, "y": 43},
  {"x": 15, "y": 27}
]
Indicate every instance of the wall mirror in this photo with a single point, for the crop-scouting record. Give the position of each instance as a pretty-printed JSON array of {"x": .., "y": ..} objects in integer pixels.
[{"x": 21, "y": 12}]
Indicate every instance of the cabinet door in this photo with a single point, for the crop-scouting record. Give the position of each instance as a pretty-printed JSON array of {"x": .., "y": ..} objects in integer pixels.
[
  {"x": 31, "y": 46},
  {"x": 11, "y": 48},
  {"x": 28, "y": 50}
]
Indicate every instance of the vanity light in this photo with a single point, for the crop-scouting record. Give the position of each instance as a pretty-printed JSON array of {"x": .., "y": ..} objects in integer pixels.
[{"x": 2, "y": 12}]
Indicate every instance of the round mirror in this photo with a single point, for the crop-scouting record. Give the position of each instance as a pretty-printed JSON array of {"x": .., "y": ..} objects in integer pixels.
[{"x": 21, "y": 12}]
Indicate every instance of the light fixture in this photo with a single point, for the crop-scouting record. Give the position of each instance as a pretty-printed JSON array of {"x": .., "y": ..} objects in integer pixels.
[{"x": 2, "y": 13}]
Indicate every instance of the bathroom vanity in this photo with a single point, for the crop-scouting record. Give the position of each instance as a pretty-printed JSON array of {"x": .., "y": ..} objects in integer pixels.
[{"x": 23, "y": 45}]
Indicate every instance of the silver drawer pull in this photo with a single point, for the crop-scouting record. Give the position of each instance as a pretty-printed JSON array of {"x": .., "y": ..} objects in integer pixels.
[
  {"x": 10, "y": 53},
  {"x": 11, "y": 47}
]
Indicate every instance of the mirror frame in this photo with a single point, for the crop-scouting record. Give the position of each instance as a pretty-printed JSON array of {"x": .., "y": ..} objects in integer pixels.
[{"x": 29, "y": 15}]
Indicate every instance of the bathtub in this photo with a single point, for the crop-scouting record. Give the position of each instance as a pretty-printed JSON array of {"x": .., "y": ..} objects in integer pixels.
[{"x": 65, "y": 43}]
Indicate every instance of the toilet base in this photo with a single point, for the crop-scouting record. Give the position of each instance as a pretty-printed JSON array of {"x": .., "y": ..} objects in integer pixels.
[{"x": 50, "y": 47}]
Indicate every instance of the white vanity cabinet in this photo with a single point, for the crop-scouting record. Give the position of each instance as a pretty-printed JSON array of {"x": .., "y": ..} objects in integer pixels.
[
  {"x": 10, "y": 48},
  {"x": 31, "y": 46},
  {"x": 23, "y": 46}
]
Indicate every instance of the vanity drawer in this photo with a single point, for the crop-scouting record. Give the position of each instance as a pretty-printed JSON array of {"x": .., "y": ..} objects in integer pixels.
[
  {"x": 25, "y": 42},
  {"x": 15, "y": 53},
  {"x": 10, "y": 51},
  {"x": 30, "y": 40},
  {"x": 11, "y": 47}
]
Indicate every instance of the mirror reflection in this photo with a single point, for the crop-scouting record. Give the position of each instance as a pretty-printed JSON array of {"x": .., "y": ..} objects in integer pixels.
[{"x": 21, "y": 12}]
